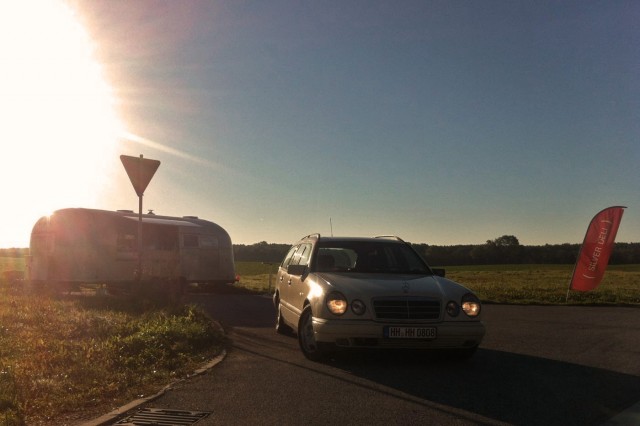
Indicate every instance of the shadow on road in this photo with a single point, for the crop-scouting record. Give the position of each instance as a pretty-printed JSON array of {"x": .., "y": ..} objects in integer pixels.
[
  {"x": 506, "y": 387},
  {"x": 236, "y": 307}
]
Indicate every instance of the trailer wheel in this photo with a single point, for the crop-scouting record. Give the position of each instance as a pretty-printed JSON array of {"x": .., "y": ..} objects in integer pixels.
[
  {"x": 54, "y": 288},
  {"x": 118, "y": 290},
  {"x": 169, "y": 291}
]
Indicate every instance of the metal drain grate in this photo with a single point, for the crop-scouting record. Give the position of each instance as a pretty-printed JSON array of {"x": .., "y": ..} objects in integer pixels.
[{"x": 163, "y": 417}]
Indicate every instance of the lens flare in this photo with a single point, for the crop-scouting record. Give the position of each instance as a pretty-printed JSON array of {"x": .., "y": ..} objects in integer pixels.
[{"x": 60, "y": 127}]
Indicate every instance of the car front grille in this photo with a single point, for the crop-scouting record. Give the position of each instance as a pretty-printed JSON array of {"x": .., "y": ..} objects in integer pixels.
[{"x": 407, "y": 309}]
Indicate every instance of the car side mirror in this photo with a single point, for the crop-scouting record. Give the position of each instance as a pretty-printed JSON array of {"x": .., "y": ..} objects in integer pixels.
[
  {"x": 439, "y": 272},
  {"x": 296, "y": 269}
]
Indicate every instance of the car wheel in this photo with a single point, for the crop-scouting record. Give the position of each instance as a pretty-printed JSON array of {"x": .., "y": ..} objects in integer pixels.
[
  {"x": 310, "y": 348},
  {"x": 281, "y": 327}
]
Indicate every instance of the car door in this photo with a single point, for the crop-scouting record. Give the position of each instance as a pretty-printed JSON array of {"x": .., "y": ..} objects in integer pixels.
[
  {"x": 282, "y": 280},
  {"x": 297, "y": 287}
]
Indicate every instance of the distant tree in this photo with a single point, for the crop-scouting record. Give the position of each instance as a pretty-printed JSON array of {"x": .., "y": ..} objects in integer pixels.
[
  {"x": 481, "y": 254},
  {"x": 502, "y": 250},
  {"x": 260, "y": 252},
  {"x": 14, "y": 252},
  {"x": 625, "y": 253},
  {"x": 505, "y": 241}
]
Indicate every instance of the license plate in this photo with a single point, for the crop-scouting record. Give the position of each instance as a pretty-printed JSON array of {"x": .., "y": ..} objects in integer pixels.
[{"x": 392, "y": 332}]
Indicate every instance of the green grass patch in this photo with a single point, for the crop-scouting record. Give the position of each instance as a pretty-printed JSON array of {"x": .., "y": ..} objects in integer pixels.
[
  {"x": 66, "y": 357},
  {"x": 255, "y": 276},
  {"x": 11, "y": 264},
  {"x": 509, "y": 284},
  {"x": 547, "y": 284},
  {"x": 255, "y": 268}
]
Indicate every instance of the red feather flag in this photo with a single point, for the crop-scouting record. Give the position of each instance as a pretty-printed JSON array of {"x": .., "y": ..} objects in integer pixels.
[{"x": 596, "y": 249}]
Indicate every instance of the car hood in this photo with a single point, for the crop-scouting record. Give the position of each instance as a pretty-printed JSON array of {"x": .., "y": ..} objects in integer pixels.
[{"x": 387, "y": 285}]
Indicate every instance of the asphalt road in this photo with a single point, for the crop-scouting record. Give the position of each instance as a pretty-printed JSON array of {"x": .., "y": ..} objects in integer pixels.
[{"x": 536, "y": 366}]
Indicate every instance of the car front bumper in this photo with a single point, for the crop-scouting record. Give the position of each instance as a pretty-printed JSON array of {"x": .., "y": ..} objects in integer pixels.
[{"x": 370, "y": 334}]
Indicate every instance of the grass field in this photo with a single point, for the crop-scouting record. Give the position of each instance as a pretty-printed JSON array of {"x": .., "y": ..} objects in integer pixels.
[
  {"x": 69, "y": 358},
  {"x": 255, "y": 275},
  {"x": 547, "y": 284},
  {"x": 513, "y": 284},
  {"x": 11, "y": 264},
  {"x": 60, "y": 356}
]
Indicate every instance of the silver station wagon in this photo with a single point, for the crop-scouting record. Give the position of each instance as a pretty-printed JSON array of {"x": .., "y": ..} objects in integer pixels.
[{"x": 374, "y": 293}]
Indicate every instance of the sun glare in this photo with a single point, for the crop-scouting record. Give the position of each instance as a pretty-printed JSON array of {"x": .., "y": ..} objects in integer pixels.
[{"x": 59, "y": 129}]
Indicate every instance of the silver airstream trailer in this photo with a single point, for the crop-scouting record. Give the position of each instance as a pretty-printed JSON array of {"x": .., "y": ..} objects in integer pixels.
[{"x": 86, "y": 246}]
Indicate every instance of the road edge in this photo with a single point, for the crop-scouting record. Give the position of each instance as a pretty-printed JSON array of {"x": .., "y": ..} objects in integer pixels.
[
  {"x": 630, "y": 416},
  {"x": 112, "y": 416}
]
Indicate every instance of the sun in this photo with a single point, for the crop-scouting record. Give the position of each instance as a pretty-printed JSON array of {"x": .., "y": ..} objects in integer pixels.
[{"x": 58, "y": 124}]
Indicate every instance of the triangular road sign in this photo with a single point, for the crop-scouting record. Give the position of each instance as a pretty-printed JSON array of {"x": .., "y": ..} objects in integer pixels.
[{"x": 140, "y": 171}]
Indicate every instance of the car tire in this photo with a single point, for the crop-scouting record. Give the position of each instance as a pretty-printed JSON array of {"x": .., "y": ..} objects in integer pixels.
[
  {"x": 306, "y": 337},
  {"x": 281, "y": 326}
]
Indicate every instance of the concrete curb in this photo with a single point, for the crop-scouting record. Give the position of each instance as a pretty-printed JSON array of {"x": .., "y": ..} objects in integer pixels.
[
  {"x": 113, "y": 416},
  {"x": 630, "y": 416}
]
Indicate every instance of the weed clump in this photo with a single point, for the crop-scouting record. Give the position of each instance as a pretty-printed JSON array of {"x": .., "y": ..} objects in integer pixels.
[{"x": 61, "y": 356}]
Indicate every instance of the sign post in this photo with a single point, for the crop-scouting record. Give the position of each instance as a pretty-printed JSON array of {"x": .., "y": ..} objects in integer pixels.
[{"x": 140, "y": 171}]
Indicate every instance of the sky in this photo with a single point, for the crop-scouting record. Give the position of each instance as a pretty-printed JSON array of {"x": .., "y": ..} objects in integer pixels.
[{"x": 442, "y": 122}]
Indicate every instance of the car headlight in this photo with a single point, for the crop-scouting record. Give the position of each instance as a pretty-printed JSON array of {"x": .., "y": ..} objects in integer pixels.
[
  {"x": 471, "y": 305},
  {"x": 358, "y": 307},
  {"x": 337, "y": 303},
  {"x": 453, "y": 309}
]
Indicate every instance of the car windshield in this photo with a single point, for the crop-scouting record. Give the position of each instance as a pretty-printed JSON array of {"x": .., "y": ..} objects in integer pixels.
[{"x": 383, "y": 257}]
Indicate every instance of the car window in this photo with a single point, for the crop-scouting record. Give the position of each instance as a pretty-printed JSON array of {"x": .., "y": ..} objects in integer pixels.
[
  {"x": 336, "y": 259},
  {"x": 289, "y": 256},
  {"x": 369, "y": 257},
  {"x": 403, "y": 258},
  {"x": 302, "y": 255}
]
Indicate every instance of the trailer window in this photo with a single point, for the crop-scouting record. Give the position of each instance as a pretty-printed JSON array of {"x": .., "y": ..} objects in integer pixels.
[
  {"x": 190, "y": 240},
  {"x": 126, "y": 242},
  {"x": 161, "y": 237},
  {"x": 208, "y": 241}
]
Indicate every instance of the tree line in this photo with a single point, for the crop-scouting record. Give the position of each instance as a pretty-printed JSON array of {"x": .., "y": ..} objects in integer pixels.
[
  {"x": 14, "y": 252},
  {"x": 502, "y": 250}
]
